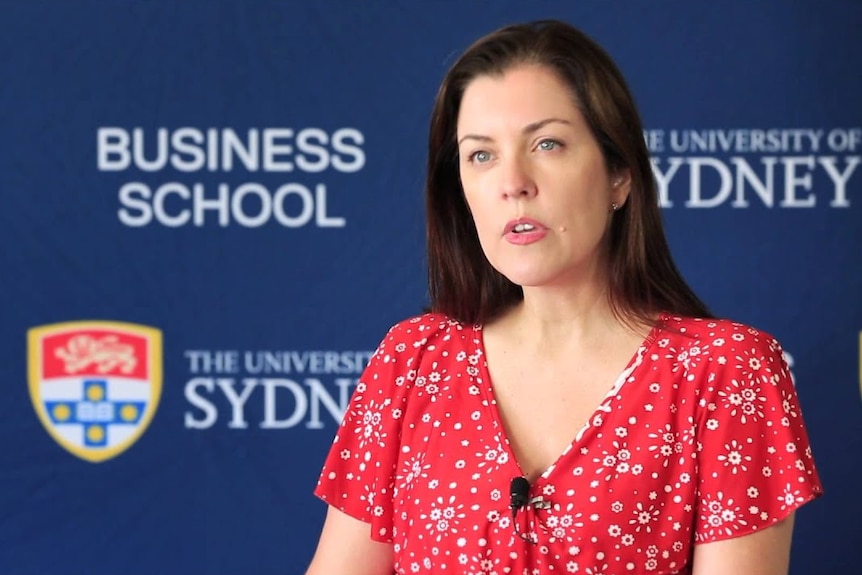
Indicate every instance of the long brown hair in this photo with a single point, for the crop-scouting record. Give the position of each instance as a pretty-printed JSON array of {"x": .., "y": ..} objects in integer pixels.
[{"x": 643, "y": 279}]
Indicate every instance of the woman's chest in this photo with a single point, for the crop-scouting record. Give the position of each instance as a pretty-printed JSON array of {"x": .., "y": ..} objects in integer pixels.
[{"x": 622, "y": 492}]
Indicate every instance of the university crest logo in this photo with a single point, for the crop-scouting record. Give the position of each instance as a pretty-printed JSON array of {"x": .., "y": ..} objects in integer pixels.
[{"x": 95, "y": 385}]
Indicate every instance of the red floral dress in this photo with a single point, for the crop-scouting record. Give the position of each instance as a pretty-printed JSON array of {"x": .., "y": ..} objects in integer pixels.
[{"x": 700, "y": 439}]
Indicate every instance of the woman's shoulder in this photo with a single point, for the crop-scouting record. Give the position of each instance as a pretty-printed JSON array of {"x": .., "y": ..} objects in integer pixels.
[
  {"x": 695, "y": 330},
  {"x": 415, "y": 343},
  {"x": 425, "y": 328},
  {"x": 427, "y": 332}
]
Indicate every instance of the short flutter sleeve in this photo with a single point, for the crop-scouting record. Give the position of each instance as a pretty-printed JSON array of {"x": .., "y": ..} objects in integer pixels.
[
  {"x": 755, "y": 465},
  {"x": 358, "y": 476}
]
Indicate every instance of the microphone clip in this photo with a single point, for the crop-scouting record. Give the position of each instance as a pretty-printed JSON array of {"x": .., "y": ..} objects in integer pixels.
[{"x": 539, "y": 502}]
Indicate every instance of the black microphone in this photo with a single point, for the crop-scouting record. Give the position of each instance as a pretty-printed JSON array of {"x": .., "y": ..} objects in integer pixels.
[{"x": 519, "y": 493}]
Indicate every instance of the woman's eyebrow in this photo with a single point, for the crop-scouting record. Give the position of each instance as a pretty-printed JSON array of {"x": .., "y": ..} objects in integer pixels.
[{"x": 528, "y": 129}]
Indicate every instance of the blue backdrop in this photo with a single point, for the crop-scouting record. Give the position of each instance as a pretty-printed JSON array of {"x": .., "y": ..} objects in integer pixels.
[{"x": 245, "y": 178}]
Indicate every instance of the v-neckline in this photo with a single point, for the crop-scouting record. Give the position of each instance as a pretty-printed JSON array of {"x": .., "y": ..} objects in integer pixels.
[{"x": 490, "y": 397}]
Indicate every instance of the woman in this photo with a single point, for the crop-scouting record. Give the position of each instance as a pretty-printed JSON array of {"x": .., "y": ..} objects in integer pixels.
[{"x": 569, "y": 405}]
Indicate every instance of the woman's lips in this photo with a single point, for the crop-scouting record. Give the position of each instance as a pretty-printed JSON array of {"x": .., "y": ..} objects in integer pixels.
[{"x": 524, "y": 231}]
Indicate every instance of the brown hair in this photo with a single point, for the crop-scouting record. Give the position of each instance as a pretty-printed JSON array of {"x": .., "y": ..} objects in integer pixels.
[{"x": 643, "y": 279}]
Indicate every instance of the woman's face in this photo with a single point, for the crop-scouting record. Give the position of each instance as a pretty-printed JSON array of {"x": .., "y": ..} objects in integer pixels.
[{"x": 535, "y": 179}]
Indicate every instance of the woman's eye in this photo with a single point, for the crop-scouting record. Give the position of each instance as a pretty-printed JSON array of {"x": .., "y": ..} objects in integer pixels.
[
  {"x": 548, "y": 145},
  {"x": 479, "y": 157}
]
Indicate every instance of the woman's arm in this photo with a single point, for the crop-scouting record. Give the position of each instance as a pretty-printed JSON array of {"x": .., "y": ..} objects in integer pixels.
[
  {"x": 764, "y": 552},
  {"x": 346, "y": 548}
]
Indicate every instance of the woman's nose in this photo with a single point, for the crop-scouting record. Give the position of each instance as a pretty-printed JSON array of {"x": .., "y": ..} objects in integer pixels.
[{"x": 517, "y": 181}]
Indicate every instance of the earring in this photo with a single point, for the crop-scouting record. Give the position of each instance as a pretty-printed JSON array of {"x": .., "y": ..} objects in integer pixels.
[{"x": 614, "y": 207}]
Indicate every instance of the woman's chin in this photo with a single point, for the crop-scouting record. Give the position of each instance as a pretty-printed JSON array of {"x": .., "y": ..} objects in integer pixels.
[{"x": 532, "y": 278}]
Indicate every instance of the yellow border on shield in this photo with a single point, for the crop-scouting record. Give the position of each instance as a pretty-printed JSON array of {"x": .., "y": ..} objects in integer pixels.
[{"x": 34, "y": 363}]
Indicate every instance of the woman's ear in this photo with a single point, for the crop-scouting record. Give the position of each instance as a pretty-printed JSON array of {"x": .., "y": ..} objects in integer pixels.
[{"x": 621, "y": 185}]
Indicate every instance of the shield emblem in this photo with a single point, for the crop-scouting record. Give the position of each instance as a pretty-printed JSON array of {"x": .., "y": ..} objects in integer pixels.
[{"x": 95, "y": 385}]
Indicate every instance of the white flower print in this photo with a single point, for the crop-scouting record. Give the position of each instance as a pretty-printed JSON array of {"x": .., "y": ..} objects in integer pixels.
[
  {"x": 719, "y": 516},
  {"x": 665, "y": 444},
  {"x": 790, "y": 497},
  {"x": 432, "y": 389},
  {"x": 627, "y": 539},
  {"x": 615, "y": 462},
  {"x": 563, "y": 521},
  {"x": 443, "y": 517},
  {"x": 412, "y": 469},
  {"x": 788, "y": 405},
  {"x": 643, "y": 517},
  {"x": 369, "y": 420},
  {"x": 689, "y": 358},
  {"x": 743, "y": 401},
  {"x": 484, "y": 563},
  {"x": 749, "y": 362},
  {"x": 733, "y": 458},
  {"x": 491, "y": 457}
]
